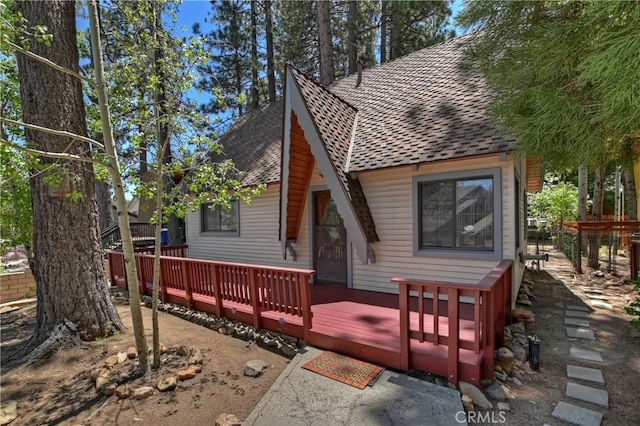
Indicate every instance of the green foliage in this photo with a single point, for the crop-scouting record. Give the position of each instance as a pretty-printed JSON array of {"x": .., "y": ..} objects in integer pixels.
[
  {"x": 564, "y": 76},
  {"x": 634, "y": 307},
  {"x": 557, "y": 202}
]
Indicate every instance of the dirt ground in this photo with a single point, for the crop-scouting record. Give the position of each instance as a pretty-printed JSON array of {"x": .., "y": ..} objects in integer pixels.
[
  {"x": 555, "y": 287},
  {"x": 59, "y": 390}
]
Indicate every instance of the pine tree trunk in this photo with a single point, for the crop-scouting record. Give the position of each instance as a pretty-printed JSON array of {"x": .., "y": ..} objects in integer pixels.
[
  {"x": 254, "y": 56},
  {"x": 630, "y": 194},
  {"x": 352, "y": 36},
  {"x": 395, "y": 49},
  {"x": 325, "y": 44},
  {"x": 583, "y": 184},
  {"x": 271, "y": 74},
  {"x": 106, "y": 214},
  {"x": 384, "y": 16},
  {"x": 67, "y": 262},
  {"x": 596, "y": 216}
]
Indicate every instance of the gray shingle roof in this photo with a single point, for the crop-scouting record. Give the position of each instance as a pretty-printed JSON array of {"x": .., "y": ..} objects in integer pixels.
[{"x": 426, "y": 106}]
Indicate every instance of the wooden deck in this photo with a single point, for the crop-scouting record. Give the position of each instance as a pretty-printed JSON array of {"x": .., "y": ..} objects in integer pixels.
[{"x": 400, "y": 331}]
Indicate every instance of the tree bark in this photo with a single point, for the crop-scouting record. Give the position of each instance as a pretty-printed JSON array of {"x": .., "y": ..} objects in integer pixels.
[
  {"x": 630, "y": 193},
  {"x": 325, "y": 44},
  {"x": 384, "y": 16},
  {"x": 583, "y": 191},
  {"x": 271, "y": 74},
  {"x": 67, "y": 261},
  {"x": 254, "y": 56},
  {"x": 596, "y": 216},
  {"x": 395, "y": 49},
  {"x": 106, "y": 214},
  {"x": 352, "y": 37}
]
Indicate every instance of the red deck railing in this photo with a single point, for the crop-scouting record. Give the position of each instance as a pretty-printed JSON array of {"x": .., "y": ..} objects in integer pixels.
[
  {"x": 224, "y": 288},
  {"x": 491, "y": 307}
]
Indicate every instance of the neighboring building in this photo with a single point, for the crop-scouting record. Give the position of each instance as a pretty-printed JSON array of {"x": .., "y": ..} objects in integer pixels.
[{"x": 397, "y": 172}]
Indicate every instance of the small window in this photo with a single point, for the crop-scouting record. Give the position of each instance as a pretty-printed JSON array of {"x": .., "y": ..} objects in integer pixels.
[
  {"x": 219, "y": 218},
  {"x": 458, "y": 213}
]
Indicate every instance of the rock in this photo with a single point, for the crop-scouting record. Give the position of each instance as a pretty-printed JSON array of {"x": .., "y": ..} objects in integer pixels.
[
  {"x": 100, "y": 372},
  {"x": 503, "y": 406},
  {"x": 516, "y": 381},
  {"x": 187, "y": 374},
  {"x": 522, "y": 313},
  {"x": 476, "y": 395},
  {"x": 289, "y": 350},
  {"x": 523, "y": 302},
  {"x": 222, "y": 330},
  {"x": 500, "y": 375},
  {"x": 504, "y": 359},
  {"x": 123, "y": 391},
  {"x": 519, "y": 353},
  {"x": 163, "y": 348},
  {"x": 143, "y": 392},
  {"x": 520, "y": 339},
  {"x": 254, "y": 368},
  {"x": 109, "y": 390},
  {"x": 196, "y": 356},
  {"x": 626, "y": 289},
  {"x": 8, "y": 411},
  {"x": 195, "y": 367},
  {"x": 523, "y": 296},
  {"x": 132, "y": 353},
  {"x": 496, "y": 391},
  {"x": 598, "y": 274},
  {"x": 467, "y": 403},
  {"x": 112, "y": 360},
  {"x": 122, "y": 357},
  {"x": 167, "y": 384},
  {"x": 517, "y": 327},
  {"x": 182, "y": 350},
  {"x": 101, "y": 382},
  {"x": 225, "y": 419}
]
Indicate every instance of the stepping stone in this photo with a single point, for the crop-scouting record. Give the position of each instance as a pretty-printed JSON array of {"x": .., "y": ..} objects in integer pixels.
[
  {"x": 576, "y": 314},
  {"x": 578, "y": 322},
  {"x": 583, "y": 373},
  {"x": 580, "y": 333},
  {"x": 591, "y": 290},
  {"x": 578, "y": 308},
  {"x": 597, "y": 296},
  {"x": 585, "y": 393},
  {"x": 601, "y": 304},
  {"x": 576, "y": 415},
  {"x": 585, "y": 354}
]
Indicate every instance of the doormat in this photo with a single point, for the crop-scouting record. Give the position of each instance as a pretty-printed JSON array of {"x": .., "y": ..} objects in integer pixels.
[{"x": 347, "y": 370}]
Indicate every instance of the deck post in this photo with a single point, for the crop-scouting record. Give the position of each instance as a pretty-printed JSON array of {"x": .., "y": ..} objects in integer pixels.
[
  {"x": 454, "y": 334},
  {"x": 255, "y": 301},
  {"x": 487, "y": 356},
  {"x": 110, "y": 261},
  {"x": 188, "y": 293},
  {"x": 305, "y": 295},
  {"x": 405, "y": 348},
  {"x": 141, "y": 284},
  {"x": 215, "y": 282}
]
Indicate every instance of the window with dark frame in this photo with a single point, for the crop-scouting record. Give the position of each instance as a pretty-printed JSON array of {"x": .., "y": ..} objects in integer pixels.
[
  {"x": 219, "y": 218},
  {"x": 457, "y": 214}
]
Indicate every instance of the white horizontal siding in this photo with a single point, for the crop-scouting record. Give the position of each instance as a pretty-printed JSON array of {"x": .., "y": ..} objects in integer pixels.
[
  {"x": 258, "y": 241},
  {"x": 390, "y": 197}
]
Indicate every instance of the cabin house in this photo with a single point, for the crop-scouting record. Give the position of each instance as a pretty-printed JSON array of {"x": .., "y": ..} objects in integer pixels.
[
  {"x": 392, "y": 172},
  {"x": 394, "y": 194}
]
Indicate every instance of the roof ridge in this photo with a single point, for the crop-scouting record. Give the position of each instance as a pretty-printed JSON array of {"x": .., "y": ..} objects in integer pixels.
[{"x": 325, "y": 89}]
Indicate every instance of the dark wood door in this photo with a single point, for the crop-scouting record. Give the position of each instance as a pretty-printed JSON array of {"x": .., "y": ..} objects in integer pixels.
[{"x": 330, "y": 241}]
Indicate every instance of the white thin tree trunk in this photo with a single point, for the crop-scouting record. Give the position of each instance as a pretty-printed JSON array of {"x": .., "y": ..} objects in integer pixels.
[{"x": 121, "y": 207}]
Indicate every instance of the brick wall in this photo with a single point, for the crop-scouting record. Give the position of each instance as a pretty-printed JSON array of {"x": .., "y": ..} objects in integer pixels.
[{"x": 16, "y": 285}]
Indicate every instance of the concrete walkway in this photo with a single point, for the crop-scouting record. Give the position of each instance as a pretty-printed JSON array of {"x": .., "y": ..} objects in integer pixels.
[
  {"x": 586, "y": 384},
  {"x": 301, "y": 397}
]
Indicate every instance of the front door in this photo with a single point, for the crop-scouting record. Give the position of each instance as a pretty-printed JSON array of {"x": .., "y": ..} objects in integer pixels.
[{"x": 330, "y": 241}]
